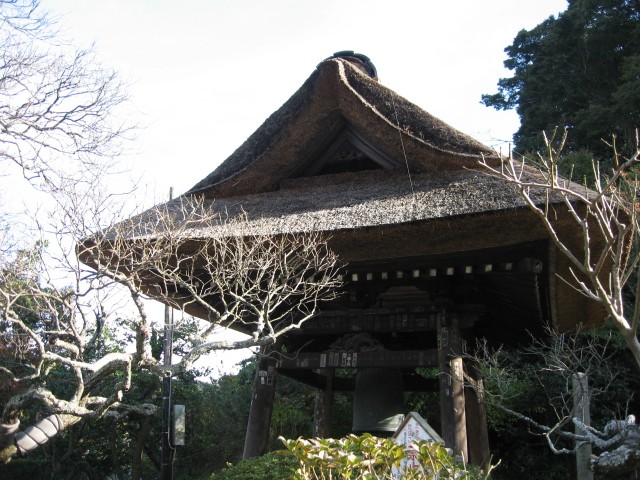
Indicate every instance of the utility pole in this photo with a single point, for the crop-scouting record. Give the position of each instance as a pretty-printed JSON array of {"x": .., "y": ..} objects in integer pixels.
[{"x": 166, "y": 463}]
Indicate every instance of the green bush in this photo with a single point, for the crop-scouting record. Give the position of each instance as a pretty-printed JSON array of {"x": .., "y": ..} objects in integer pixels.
[
  {"x": 367, "y": 457},
  {"x": 272, "y": 466}
]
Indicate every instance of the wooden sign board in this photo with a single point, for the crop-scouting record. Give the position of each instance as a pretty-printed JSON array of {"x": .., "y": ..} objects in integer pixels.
[{"x": 413, "y": 429}]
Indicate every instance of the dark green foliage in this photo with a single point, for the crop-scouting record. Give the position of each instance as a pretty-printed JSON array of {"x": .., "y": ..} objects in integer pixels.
[
  {"x": 530, "y": 387},
  {"x": 216, "y": 420},
  {"x": 523, "y": 454},
  {"x": 217, "y": 415},
  {"x": 341, "y": 414},
  {"x": 578, "y": 166},
  {"x": 580, "y": 70},
  {"x": 292, "y": 411},
  {"x": 25, "y": 468},
  {"x": 272, "y": 466}
]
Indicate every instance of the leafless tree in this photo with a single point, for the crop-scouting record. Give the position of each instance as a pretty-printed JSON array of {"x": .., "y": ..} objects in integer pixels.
[
  {"x": 228, "y": 270},
  {"x": 604, "y": 265},
  {"x": 57, "y": 117},
  {"x": 262, "y": 284},
  {"x": 58, "y": 105},
  {"x": 606, "y": 215},
  {"x": 558, "y": 356},
  {"x": 58, "y": 126}
]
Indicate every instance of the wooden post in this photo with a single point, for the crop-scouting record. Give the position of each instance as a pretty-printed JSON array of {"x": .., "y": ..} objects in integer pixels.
[
  {"x": 323, "y": 407},
  {"x": 581, "y": 408},
  {"x": 477, "y": 431},
  {"x": 451, "y": 379},
  {"x": 259, "y": 424}
]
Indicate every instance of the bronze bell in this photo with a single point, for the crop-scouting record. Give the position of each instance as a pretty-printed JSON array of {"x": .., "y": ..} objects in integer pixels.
[{"x": 378, "y": 401}]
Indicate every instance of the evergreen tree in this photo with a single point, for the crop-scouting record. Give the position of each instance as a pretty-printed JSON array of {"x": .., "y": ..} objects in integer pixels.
[{"x": 579, "y": 70}]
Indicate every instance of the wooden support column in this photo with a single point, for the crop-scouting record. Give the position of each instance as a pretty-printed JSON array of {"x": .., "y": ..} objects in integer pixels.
[
  {"x": 581, "y": 411},
  {"x": 477, "y": 432},
  {"x": 451, "y": 380},
  {"x": 259, "y": 424},
  {"x": 323, "y": 406}
]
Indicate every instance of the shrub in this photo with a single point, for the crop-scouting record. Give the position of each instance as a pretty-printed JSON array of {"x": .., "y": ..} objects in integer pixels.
[
  {"x": 367, "y": 457},
  {"x": 272, "y": 466}
]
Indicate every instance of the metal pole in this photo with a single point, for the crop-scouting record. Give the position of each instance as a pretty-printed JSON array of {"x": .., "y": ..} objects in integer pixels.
[{"x": 166, "y": 463}]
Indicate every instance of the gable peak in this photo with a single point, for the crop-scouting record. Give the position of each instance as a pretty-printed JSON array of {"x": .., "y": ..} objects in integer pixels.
[{"x": 358, "y": 60}]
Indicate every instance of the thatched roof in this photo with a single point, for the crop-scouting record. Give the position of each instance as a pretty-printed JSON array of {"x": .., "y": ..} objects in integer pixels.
[
  {"x": 353, "y": 201},
  {"x": 339, "y": 96},
  {"x": 387, "y": 180},
  {"x": 417, "y": 170},
  {"x": 422, "y": 168}
]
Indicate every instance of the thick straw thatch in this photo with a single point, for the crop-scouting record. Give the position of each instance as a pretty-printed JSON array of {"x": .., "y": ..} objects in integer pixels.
[
  {"x": 352, "y": 201},
  {"x": 339, "y": 94}
]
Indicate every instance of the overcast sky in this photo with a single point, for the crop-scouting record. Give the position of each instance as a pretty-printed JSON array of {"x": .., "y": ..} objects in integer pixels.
[{"x": 204, "y": 74}]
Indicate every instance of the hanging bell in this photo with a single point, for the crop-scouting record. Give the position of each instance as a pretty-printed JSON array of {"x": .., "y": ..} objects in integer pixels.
[{"x": 378, "y": 401}]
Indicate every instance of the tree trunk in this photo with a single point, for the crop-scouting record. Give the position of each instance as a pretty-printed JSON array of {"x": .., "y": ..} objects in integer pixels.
[
  {"x": 153, "y": 456},
  {"x": 631, "y": 339},
  {"x": 141, "y": 440},
  {"x": 9, "y": 451}
]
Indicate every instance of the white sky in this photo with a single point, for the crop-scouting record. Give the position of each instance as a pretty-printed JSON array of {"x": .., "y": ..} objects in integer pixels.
[{"x": 204, "y": 74}]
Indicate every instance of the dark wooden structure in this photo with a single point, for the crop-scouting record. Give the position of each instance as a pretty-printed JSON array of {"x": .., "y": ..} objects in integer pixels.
[{"x": 438, "y": 253}]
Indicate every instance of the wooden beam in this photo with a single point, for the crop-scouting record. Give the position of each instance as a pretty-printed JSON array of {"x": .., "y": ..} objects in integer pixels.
[
  {"x": 380, "y": 320},
  {"x": 411, "y": 380},
  {"x": 371, "y": 320},
  {"x": 459, "y": 410},
  {"x": 369, "y": 359}
]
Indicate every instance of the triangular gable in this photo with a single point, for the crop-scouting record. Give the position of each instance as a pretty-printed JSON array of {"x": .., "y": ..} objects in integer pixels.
[
  {"x": 347, "y": 151},
  {"x": 341, "y": 120}
]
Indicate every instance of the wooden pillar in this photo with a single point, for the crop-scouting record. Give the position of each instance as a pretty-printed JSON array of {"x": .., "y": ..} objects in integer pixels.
[
  {"x": 323, "y": 406},
  {"x": 451, "y": 380},
  {"x": 477, "y": 432},
  {"x": 581, "y": 412},
  {"x": 257, "y": 436}
]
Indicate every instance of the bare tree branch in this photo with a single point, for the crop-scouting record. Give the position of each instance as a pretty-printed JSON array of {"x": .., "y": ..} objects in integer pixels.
[
  {"x": 607, "y": 218},
  {"x": 603, "y": 262},
  {"x": 260, "y": 284}
]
